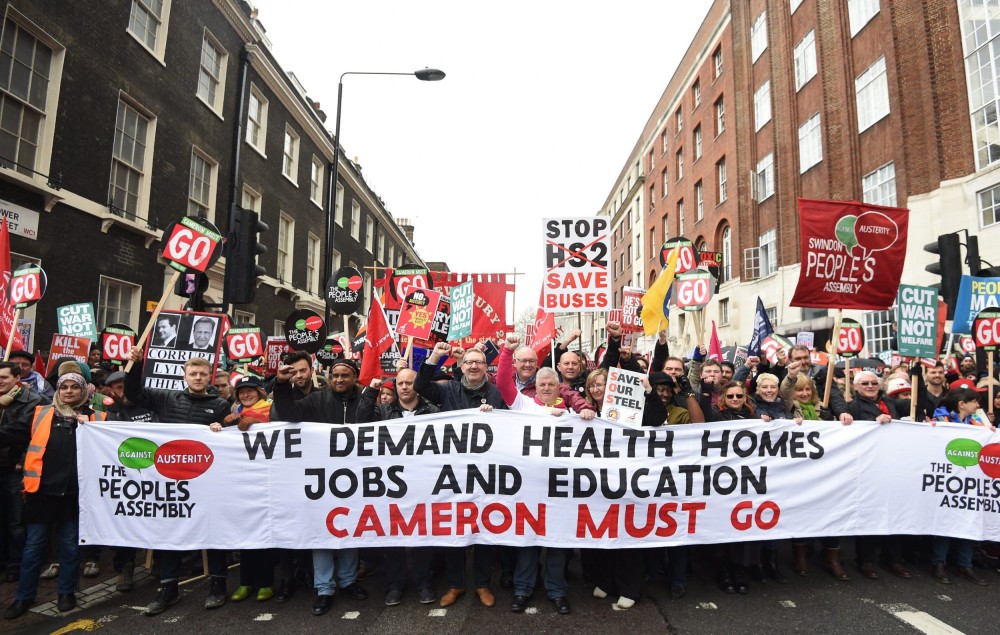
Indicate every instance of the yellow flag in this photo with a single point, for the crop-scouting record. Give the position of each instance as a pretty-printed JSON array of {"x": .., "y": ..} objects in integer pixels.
[{"x": 654, "y": 302}]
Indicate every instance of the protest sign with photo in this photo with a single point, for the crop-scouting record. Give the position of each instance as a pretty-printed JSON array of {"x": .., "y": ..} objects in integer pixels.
[
  {"x": 624, "y": 397},
  {"x": 805, "y": 338},
  {"x": 78, "y": 319},
  {"x": 631, "y": 318},
  {"x": 852, "y": 254},
  {"x": 916, "y": 319},
  {"x": 577, "y": 265},
  {"x": 67, "y": 346},
  {"x": 274, "y": 350},
  {"x": 177, "y": 337},
  {"x": 519, "y": 479},
  {"x": 116, "y": 342}
]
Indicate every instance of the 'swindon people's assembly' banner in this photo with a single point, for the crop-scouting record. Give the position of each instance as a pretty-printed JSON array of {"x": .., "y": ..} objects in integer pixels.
[{"x": 519, "y": 479}]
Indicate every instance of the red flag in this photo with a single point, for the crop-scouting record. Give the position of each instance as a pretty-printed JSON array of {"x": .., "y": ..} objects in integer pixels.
[
  {"x": 7, "y": 327},
  {"x": 543, "y": 333},
  {"x": 39, "y": 363},
  {"x": 714, "y": 345},
  {"x": 378, "y": 339}
]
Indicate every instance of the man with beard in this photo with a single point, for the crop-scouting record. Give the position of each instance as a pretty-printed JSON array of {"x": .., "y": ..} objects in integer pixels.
[{"x": 335, "y": 406}]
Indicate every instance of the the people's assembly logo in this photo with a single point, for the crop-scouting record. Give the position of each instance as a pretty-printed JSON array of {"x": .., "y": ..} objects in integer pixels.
[
  {"x": 963, "y": 488},
  {"x": 136, "y": 494}
]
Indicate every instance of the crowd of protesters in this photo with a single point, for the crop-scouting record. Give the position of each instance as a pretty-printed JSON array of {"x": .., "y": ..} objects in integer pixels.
[{"x": 39, "y": 511}]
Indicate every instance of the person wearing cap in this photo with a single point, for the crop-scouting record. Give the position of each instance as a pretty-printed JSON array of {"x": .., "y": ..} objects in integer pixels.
[
  {"x": 196, "y": 405},
  {"x": 256, "y": 565},
  {"x": 51, "y": 502},
  {"x": 338, "y": 569},
  {"x": 967, "y": 365},
  {"x": 31, "y": 378},
  {"x": 663, "y": 388},
  {"x": 408, "y": 403},
  {"x": 387, "y": 393},
  {"x": 898, "y": 390},
  {"x": 17, "y": 405}
]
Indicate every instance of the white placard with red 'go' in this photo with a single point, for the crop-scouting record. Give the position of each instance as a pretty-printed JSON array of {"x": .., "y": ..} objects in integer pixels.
[
  {"x": 194, "y": 244},
  {"x": 693, "y": 289},
  {"x": 986, "y": 329}
]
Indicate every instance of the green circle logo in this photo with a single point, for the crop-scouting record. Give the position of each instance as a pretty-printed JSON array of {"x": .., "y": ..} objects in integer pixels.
[
  {"x": 963, "y": 452},
  {"x": 137, "y": 453}
]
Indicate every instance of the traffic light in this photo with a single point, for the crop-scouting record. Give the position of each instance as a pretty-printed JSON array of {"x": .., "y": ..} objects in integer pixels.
[
  {"x": 949, "y": 267},
  {"x": 242, "y": 250},
  {"x": 972, "y": 255}
]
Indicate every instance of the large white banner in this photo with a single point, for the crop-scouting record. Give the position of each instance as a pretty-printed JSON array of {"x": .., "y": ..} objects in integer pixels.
[{"x": 519, "y": 479}]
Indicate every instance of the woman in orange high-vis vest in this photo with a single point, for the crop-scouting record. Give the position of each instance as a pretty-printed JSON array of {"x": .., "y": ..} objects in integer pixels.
[{"x": 51, "y": 501}]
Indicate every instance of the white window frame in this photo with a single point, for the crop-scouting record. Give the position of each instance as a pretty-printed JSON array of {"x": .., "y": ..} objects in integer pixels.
[
  {"x": 159, "y": 45},
  {"x": 290, "y": 156},
  {"x": 339, "y": 204},
  {"x": 696, "y": 92},
  {"x": 102, "y": 305},
  {"x": 205, "y": 77},
  {"x": 982, "y": 71},
  {"x": 879, "y": 186},
  {"x": 726, "y": 273},
  {"x": 699, "y": 201},
  {"x": 758, "y": 36},
  {"x": 665, "y": 177},
  {"x": 251, "y": 199},
  {"x": 723, "y": 311},
  {"x": 861, "y": 13},
  {"x": 679, "y": 119},
  {"x": 793, "y": 5},
  {"x": 720, "y": 176},
  {"x": 46, "y": 113},
  {"x": 717, "y": 62},
  {"x": 279, "y": 329},
  {"x": 989, "y": 206},
  {"x": 257, "y": 126},
  {"x": 878, "y": 331},
  {"x": 768, "y": 253},
  {"x": 313, "y": 250},
  {"x": 142, "y": 171},
  {"x": 286, "y": 243},
  {"x": 872, "y": 94},
  {"x": 765, "y": 178},
  {"x": 356, "y": 220},
  {"x": 663, "y": 141},
  {"x": 680, "y": 217},
  {"x": 720, "y": 116},
  {"x": 805, "y": 60},
  {"x": 370, "y": 235},
  {"x": 316, "y": 172},
  {"x": 680, "y": 164},
  {"x": 697, "y": 142},
  {"x": 810, "y": 144},
  {"x": 762, "y": 105},
  {"x": 202, "y": 190}
]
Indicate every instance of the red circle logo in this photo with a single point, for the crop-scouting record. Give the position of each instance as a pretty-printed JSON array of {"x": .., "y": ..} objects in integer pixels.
[
  {"x": 989, "y": 460},
  {"x": 183, "y": 459}
]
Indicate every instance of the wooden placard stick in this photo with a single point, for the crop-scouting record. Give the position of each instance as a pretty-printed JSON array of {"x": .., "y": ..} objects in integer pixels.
[
  {"x": 156, "y": 313},
  {"x": 833, "y": 356}
]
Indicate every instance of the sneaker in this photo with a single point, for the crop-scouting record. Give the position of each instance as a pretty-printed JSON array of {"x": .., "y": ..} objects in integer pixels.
[
  {"x": 51, "y": 572},
  {"x": 600, "y": 593},
  {"x": 241, "y": 593},
  {"x": 394, "y": 597},
  {"x": 126, "y": 579},
  {"x": 427, "y": 595},
  {"x": 91, "y": 570},
  {"x": 623, "y": 604},
  {"x": 264, "y": 593},
  {"x": 216, "y": 594},
  {"x": 165, "y": 596}
]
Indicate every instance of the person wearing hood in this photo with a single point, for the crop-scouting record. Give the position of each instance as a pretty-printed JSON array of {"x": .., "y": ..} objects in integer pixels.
[
  {"x": 51, "y": 502},
  {"x": 31, "y": 378},
  {"x": 17, "y": 405},
  {"x": 193, "y": 405},
  {"x": 338, "y": 405}
]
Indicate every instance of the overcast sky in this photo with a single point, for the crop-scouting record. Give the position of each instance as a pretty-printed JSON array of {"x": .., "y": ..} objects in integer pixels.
[{"x": 542, "y": 104}]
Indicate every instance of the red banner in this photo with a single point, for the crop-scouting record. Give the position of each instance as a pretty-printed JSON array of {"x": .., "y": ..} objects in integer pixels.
[
  {"x": 852, "y": 254},
  {"x": 489, "y": 315}
]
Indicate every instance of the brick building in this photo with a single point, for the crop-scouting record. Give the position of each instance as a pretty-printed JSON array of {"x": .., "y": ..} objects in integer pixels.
[
  {"x": 121, "y": 116},
  {"x": 857, "y": 100}
]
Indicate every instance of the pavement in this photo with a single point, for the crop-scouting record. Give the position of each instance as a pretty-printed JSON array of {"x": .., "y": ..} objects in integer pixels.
[{"x": 816, "y": 604}]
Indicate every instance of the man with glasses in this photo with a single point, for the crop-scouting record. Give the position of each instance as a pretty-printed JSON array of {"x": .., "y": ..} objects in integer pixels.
[
  {"x": 472, "y": 390},
  {"x": 30, "y": 378}
]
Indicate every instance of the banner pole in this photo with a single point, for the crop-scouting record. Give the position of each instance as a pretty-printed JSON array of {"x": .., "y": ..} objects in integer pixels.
[
  {"x": 156, "y": 313},
  {"x": 13, "y": 330},
  {"x": 833, "y": 356},
  {"x": 847, "y": 378},
  {"x": 989, "y": 376},
  {"x": 409, "y": 352},
  {"x": 947, "y": 351},
  {"x": 913, "y": 399}
]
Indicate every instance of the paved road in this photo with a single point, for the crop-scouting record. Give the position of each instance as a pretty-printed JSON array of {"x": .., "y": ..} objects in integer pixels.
[{"x": 816, "y": 604}]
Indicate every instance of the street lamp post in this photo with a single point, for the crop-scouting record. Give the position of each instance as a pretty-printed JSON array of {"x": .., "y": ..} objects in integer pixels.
[{"x": 426, "y": 75}]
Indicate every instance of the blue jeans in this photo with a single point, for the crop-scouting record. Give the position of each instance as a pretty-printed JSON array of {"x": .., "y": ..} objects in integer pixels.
[
  {"x": 11, "y": 513},
  {"x": 324, "y": 571},
  {"x": 963, "y": 550},
  {"x": 526, "y": 570},
  {"x": 35, "y": 548}
]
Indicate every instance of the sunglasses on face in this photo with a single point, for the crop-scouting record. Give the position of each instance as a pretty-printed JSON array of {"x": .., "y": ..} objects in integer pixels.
[{"x": 735, "y": 396}]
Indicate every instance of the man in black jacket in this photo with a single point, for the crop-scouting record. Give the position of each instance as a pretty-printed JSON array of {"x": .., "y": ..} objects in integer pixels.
[
  {"x": 616, "y": 354},
  {"x": 407, "y": 404},
  {"x": 193, "y": 405},
  {"x": 17, "y": 406},
  {"x": 337, "y": 405}
]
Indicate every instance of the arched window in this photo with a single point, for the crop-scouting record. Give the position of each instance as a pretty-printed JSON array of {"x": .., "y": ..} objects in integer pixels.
[{"x": 727, "y": 255}]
